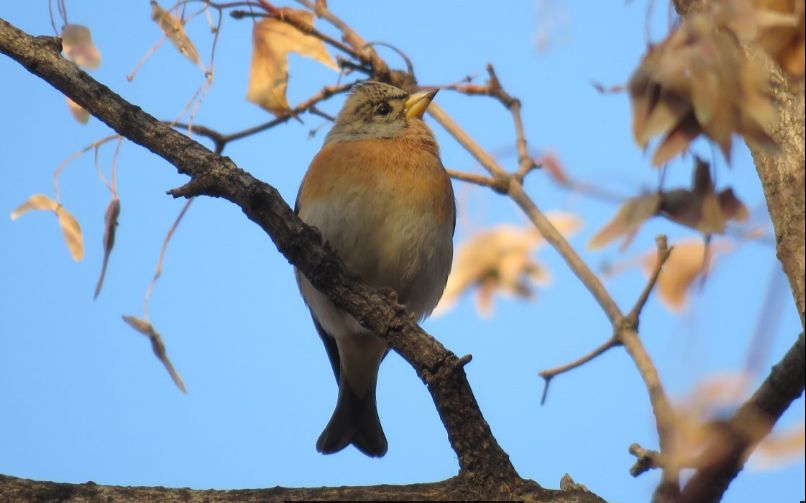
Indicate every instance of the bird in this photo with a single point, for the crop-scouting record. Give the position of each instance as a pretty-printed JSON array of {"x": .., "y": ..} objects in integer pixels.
[{"x": 380, "y": 197}]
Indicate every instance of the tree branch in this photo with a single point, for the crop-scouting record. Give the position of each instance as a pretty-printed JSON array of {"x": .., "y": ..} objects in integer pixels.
[
  {"x": 728, "y": 451},
  {"x": 482, "y": 462},
  {"x": 16, "y": 489}
]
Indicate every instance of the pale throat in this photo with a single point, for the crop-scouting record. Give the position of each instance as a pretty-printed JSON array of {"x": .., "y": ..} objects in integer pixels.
[{"x": 363, "y": 130}]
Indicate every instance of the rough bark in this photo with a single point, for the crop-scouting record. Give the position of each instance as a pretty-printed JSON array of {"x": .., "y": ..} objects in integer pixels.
[
  {"x": 782, "y": 176},
  {"x": 485, "y": 471},
  {"x": 16, "y": 489}
]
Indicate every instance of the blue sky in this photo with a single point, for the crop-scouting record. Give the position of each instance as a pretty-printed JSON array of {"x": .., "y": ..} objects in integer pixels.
[{"x": 84, "y": 398}]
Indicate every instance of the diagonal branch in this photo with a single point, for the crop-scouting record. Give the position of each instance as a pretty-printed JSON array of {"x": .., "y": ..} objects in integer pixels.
[
  {"x": 480, "y": 457},
  {"x": 624, "y": 328},
  {"x": 728, "y": 452}
]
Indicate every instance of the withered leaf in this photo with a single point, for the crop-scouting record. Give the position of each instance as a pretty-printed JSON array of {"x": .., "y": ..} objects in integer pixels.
[
  {"x": 157, "y": 346},
  {"x": 696, "y": 412},
  {"x": 702, "y": 208},
  {"x": 698, "y": 81},
  {"x": 689, "y": 260},
  {"x": 110, "y": 226},
  {"x": 71, "y": 230},
  {"x": 780, "y": 448},
  {"x": 79, "y": 113},
  {"x": 629, "y": 218},
  {"x": 78, "y": 46},
  {"x": 272, "y": 41},
  {"x": 174, "y": 30},
  {"x": 781, "y": 32},
  {"x": 499, "y": 261}
]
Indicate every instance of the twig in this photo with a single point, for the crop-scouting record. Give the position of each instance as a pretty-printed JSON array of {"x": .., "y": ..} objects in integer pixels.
[
  {"x": 301, "y": 26},
  {"x": 549, "y": 374},
  {"x": 221, "y": 140},
  {"x": 161, "y": 260},
  {"x": 625, "y": 330},
  {"x": 361, "y": 51},
  {"x": 664, "y": 251},
  {"x": 486, "y": 160},
  {"x": 484, "y": 181},
  {"x": 647, "y": 459}
]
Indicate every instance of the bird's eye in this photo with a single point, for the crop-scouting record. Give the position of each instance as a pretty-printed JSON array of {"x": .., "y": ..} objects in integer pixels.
[{"x": 383, "y": 109}]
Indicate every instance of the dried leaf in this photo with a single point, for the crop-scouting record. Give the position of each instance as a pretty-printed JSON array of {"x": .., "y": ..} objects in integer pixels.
[
  {"x": 110, "y": 225},
  {"x": 79, "y": 113},
  {"x": 272, "y": 41},
  {"x": 628, "y": 219},
  {"x": 689, "y": 260},
  {"x": 69, "y": 225},
  {"x": 157, "y": 346},
  {"x": 781, "y": 32},
  {"x": 696, "y": 413},
  {"x": 72, "y": 233},
  {"x": 697, "y": 81},
  {"x": 732, "y": 207},
  {"x": 499, "y": 261},
  {"x": 35, "y": 202},
  {"x": 701, "y": 208},
  {"x": 174, "y": 29},
  {"x": 550, "y": 163},
  {"x": 78, "y": 46},
  {"x": 677, "y": 141},
  {"x": 780, "y": 449}
]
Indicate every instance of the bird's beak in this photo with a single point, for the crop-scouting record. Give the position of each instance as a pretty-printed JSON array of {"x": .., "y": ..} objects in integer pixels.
[{"x": 417, "y": 103}]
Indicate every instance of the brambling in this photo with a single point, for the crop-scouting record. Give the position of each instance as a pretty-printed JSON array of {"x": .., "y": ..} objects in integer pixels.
[{"x": 378, "y": 193}]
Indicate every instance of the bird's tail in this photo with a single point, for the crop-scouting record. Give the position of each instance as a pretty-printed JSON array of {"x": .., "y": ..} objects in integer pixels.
[{"x": 355, "y": 421}]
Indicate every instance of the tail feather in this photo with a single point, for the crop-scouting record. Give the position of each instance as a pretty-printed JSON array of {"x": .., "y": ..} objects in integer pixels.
[{"x": 355, "y": 420}]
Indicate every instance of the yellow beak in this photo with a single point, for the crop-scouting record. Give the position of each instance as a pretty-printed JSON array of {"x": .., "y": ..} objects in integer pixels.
[{"x": 417, "y": 103}]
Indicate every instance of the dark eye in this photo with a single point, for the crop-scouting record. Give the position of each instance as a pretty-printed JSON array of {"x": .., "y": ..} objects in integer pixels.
[{"x": 383, "y": 109}]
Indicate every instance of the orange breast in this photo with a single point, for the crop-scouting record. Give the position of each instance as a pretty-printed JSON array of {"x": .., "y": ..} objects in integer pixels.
[{"x": 395, "y": 171}]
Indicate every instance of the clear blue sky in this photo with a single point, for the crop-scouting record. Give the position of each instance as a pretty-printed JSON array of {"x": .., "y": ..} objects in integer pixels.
[{"x": 84, "y": 398}]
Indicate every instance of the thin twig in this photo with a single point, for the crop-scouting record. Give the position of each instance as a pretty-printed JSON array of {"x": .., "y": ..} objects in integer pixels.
[
  {"x": 664, "y": 251},
  {"x": 161, "y": 260},
  {"x": 484, "y": 181},
  {"x": 549, "y": 374},
  {"x": 363, "y": 52},
  {"x": 221, "y": 140}
]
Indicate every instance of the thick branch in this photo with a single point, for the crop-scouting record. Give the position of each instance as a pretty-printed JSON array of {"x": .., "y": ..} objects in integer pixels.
[
  {"x": 480, "y": 457},
  {"x": 15, "y": 489}
]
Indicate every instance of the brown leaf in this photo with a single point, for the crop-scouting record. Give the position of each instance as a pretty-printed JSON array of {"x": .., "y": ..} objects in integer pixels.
[
  {"x": 701, "y": 208},
  {"x": 78, "y": 46},
  {"x": 272, "y": 41},
  {"x": 696, "y": 412},
  {"x": 781, "y": 32},
  {"x": 72, "y": 233},
  {"x": 79, "y": 113},
  {"x": 697, "y": 81},
  {"x": 677, "y": 141},
  {"x": 550, "y": 163},
  {"x": 110, "y": 225},
  {"x": 499, "y": 261},
  {"x": 174, "y": 30},
  {"x": 69, "y": 225},
  {"x": 732, "y": 207},
  {"x": 157, "y": 346},
  {"x": 686, "y": 263},
  {"x": 628, "y": 219},
  {"x": 780, "y": 448}
]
